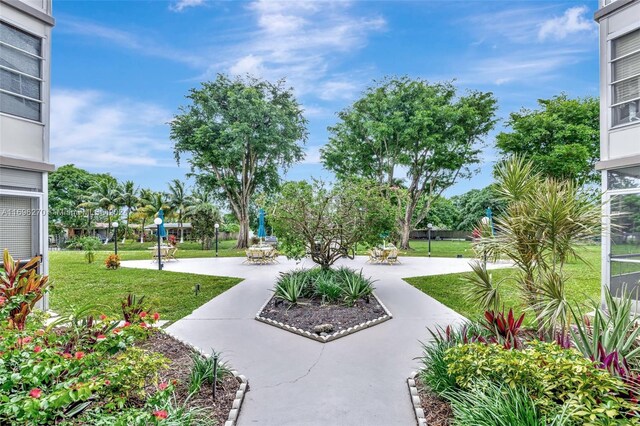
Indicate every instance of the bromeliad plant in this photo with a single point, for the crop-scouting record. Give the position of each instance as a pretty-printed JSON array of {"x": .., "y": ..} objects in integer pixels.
[
  {"x": 21, "y": 287},
  {"x": 504, "y": 329}
]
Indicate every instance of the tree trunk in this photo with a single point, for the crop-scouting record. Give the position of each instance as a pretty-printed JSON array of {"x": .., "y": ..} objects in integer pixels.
[
  {"x": 406, "y": 232},
  {"x": 243, "y": 235},
  {"x": 181, "y": 233},
  {"x": 142, "y": 231}
]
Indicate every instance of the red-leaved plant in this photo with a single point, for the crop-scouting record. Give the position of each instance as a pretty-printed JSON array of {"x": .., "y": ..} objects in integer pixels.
[
  {"x": 504, "y": 329},
  {"x": 618, "y": 366},
  {"x": 20, "y": 288}
]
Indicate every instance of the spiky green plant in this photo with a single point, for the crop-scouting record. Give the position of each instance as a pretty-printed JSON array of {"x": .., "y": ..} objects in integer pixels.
[
  {"x": 482, "y": 290},
  {"x": 202, "y": 371}
]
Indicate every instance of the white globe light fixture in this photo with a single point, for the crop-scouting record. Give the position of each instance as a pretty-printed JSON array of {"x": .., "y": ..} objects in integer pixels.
[
  {"x": 157, "y": 221},
  {"x": 217, "y": 225}
]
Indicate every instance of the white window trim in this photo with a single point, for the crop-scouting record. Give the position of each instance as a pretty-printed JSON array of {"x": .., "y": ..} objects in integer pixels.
[{"x": 609, "y": 75}]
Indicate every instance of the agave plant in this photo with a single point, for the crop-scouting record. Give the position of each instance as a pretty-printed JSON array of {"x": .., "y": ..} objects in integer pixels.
[
  {"x": 615, "y": 328},
  {"x": 355, "y": 287},
  {"x": 291, "y": 287},
  {"x": 20, "y": 288}
]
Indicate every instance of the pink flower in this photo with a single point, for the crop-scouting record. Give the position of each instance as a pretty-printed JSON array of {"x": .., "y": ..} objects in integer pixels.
[
  {"x": 37, "y": 349},
  {"x": 156, "y": 316},
  {"x": 116, "y": 331},
  {"x": 66, "y": 355},
  {"x": 107, "y": 382},
  {"x": 101, "y": 337},
  {"x": 143, "y": 324},
  {"x": 35, "y": 393},
  {"x": 143, "y": 314},
  {"x": 162, "y": 386},
  {"x": 160, "y": 414},
  {"x": 127, "y": 324},
  {"x": 2, "y": 300},
  {"x": 103, "y": 317},
  {"x": 27, "y": 339},
  {"x": 79, "y": 355}
]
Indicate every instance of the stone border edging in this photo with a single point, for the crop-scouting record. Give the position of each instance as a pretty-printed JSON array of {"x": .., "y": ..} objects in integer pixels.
[
  {"x": 415, "y": 399},
  {"x": 324, "y": 339},
  {"x": 240, "y": 393}
]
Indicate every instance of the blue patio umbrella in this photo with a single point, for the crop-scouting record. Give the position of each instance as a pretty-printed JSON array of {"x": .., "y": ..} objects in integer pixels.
[
  {"x": 490, "y": 217},
  {"x": 162, "y": 232},
  {"x": 261, "y": 230}
]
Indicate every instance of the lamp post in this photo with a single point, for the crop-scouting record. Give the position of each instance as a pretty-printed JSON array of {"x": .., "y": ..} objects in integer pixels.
[
  {"x": 430, "y": 226},
  {"x": 217, "y": 226},
  {"x": 115, "y": 237},
  {"x": 158, "y": 222}
]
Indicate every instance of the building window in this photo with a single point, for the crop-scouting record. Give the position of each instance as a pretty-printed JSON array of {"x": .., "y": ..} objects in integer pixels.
[
  {"x": 625, "y": 243},
  {"x": 625, "y": 76},
  {"x": 20, "y": 229},
  {"x": 20, "y": 73}
]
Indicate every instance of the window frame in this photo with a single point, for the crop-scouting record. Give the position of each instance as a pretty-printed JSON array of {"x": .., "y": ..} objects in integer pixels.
[
  {"x": 39, "y": 79},
  {"x": 610, "y": 83}
]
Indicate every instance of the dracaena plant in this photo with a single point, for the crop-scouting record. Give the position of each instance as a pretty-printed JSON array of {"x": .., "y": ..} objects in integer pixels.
[
  {"x": 21, "y": 287},
  {"x": 504, "y": 329}
]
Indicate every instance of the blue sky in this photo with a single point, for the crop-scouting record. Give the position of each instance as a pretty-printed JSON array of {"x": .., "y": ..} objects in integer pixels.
[{"x": 120, "y": 69}]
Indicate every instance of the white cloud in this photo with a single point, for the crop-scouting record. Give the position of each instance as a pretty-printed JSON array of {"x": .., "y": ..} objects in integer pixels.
[
  {"x": 312, "y": 155},
  {"x": 573, "y": 21},
  {"x": 181, "y": 5},
  {"x": 94, "y": 130},
  {"x": 148, "y": 46},
  {"x": 303, "y": 42}
]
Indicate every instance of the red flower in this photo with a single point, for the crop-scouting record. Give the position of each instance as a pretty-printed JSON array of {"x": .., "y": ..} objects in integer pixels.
[
  {"x": 35, "y": 393},
  {"x": 79, "y": 355},
  {"x": 156, "y": 316},
  {"x": 162, "y": 386},
  {"x": 116, "y": 330},
  {"x": 103, "y": 317},
  {"x": 127, "y": 324},
  {"x": 107, "y": 382},
  {"x": 24, "y": 340},
  {"x": 37, "y": 349},
  {"x": 66, "y": 355},
  {"x": 143, "y": 324},
  {"x": 160, "y": 414},
  {"x": 143, "y": 314},
  {"x": 2, "y": 300},
  {"x": 101, "y": 337}
]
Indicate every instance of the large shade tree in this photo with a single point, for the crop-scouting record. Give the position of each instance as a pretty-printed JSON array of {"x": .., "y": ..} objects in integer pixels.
[
  {"x": 329, "y": 222},
  {"x": 238, "y": 135},
  {"x": 407, "y": 132},
  {"x": 562, "y": 137}
]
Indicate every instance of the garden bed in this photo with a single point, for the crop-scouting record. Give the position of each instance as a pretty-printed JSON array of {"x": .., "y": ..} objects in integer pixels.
[
  {"x": 435, "y": 410},
  {"x": 179, "y": 370},
  {"x": 323, "y": 322}
]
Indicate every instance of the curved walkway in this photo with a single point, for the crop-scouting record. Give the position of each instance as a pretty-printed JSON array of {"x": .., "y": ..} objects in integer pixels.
[{"x": 356, "y": 380}]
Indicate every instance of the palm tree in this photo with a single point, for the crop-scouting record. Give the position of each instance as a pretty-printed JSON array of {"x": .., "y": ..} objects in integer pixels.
[
  {"x": 143, "y": 201},
  {"x": 128, "y": 197},
  {"x": 156, "y": 202},
  {"x": 204, "y": 215},
  {"x": 179, "y": 202},
  {"x": 104, "y": 194}
]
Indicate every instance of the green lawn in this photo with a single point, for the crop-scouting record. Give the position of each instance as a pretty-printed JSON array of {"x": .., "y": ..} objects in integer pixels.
[
  {"x": 583, "y": 286},
  {"x": 78, "y": 284}
]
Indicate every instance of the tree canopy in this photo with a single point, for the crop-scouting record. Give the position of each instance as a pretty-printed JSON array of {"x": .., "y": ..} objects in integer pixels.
[
  {"x": 238, "y": 135},
  {"x": 562, "y": 137},
  {"x": 326, "y": 222},
  {"x": 472, "y": 206},
  {"x": 409, "y": 133}
]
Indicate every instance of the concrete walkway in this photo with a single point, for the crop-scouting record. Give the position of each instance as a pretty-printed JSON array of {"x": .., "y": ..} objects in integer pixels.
[{"x": 356, "y": 380}]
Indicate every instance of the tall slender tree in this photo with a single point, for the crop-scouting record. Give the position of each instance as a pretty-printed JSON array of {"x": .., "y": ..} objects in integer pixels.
[
  {"x": 143, "y": 201},
  {"x": 128, "y": 198},
  {"x": 104, "y": 195},
  {"x": 179, "y": 201},
  {"x": 239, "y": 135}
]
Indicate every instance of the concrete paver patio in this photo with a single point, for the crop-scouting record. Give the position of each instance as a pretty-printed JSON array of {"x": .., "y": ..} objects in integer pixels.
[{"x": 355, "y": 380}]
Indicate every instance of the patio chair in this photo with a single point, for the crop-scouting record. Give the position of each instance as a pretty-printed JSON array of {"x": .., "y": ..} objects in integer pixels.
[
  {"x": 271, "y": 256},
  {"x": 392, "y": 257},
  {"x": 171, "y": 253},
  {"x": 374, "y": 256}
]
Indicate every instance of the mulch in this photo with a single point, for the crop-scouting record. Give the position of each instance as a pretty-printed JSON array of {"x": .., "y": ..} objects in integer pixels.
[
  {"x": 309, "y": 313},
  {"x": 436, "y": 410},
  {"x": 179, "y": 370}
]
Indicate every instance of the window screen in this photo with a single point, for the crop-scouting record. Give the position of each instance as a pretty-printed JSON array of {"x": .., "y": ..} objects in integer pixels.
[
  {"x": 19, "y": 226},
  {"x": 626, "y": 78}
]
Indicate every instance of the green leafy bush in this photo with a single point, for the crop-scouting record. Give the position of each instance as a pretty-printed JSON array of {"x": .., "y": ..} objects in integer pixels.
[
  {"x": 291, "y": 287},
  {"x": 327, "y": 288},
  {"x": 354, "y": 286},
  {"x": 553, "y": 376}
]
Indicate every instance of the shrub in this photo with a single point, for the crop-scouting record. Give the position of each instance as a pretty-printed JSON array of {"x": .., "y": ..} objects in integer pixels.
[
  {"x": 88, "y": 244},
  {"x": 291, "y": 287},
  {"x": 202, "y": 371},
  {"x": 354, "y": 286},
  {"x": 327, "y": 288},
  {"x": 20, "y": 289},
  {"x": 503, "y": 329},
  {"x": 490, "y": 404},
  {"x": 112, "y": 261},
  {"x": 135, "y": 309},
  {"x": 553, "y": 376}
]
